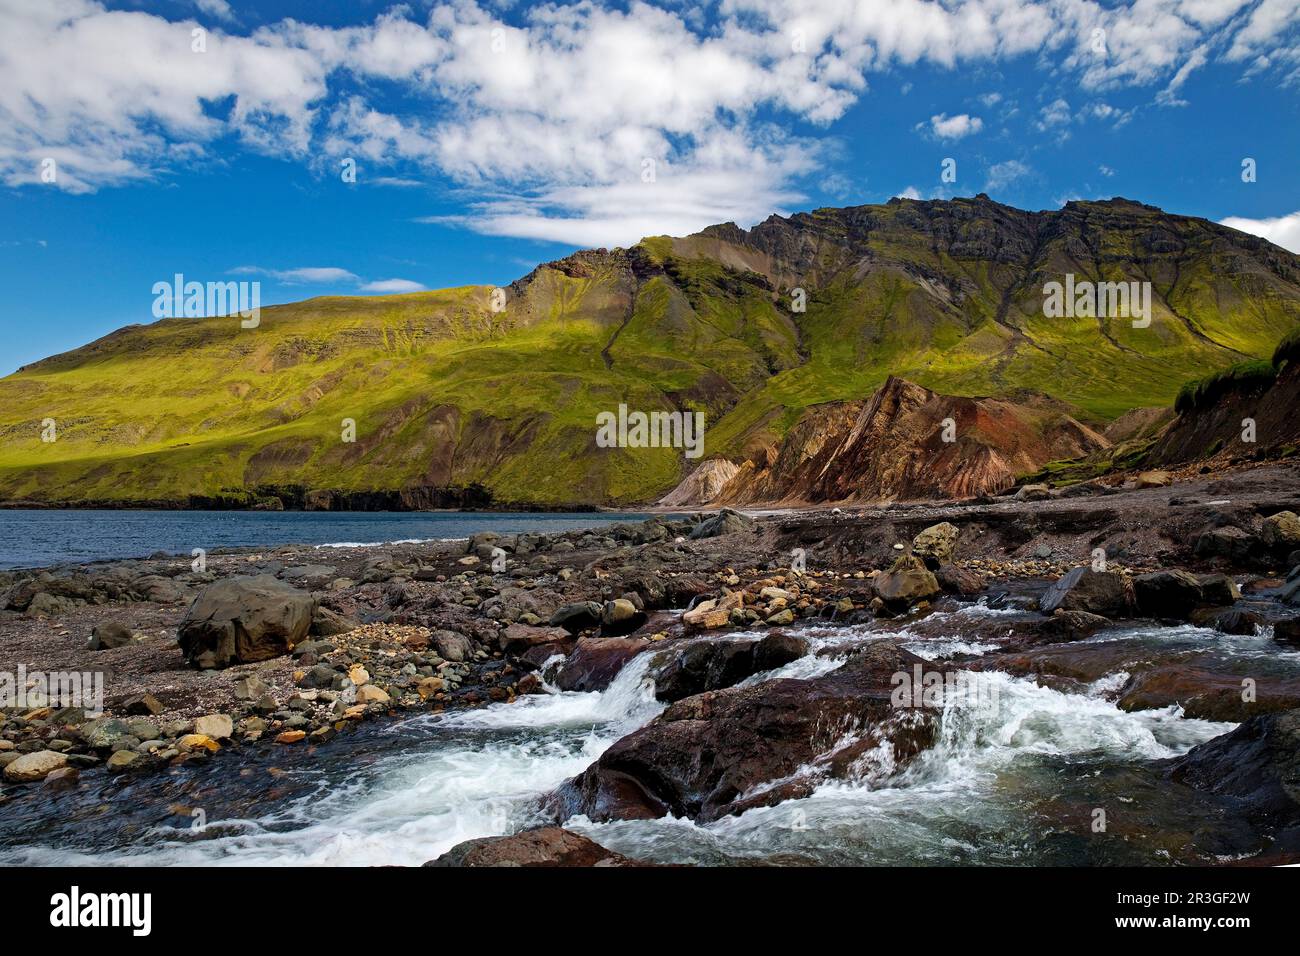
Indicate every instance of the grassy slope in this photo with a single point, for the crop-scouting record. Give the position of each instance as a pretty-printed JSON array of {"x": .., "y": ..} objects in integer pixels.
[{"x": 446, "y": 392}]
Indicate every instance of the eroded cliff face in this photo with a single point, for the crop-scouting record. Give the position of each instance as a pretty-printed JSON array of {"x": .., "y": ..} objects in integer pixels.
[{"x": 906, "y": 442}]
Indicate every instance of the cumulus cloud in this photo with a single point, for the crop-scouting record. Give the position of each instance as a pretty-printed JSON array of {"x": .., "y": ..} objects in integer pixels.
[
  {"x": 392, "y": 286},
  {"x": 1282, "y": 230},
  {"x": 1004, "y": 174},
  {"x": 954, "y": 127},
  {"x": 547, "y": 123}
]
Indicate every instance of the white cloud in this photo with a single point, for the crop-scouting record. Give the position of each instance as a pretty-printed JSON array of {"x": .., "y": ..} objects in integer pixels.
[
  {"x": 545, "y": 122},
  {"x": 1004, "y": 174},
  {"x": 392, "y": 286},
  {"x": 911, "y": 192},
  {"x": 1282, "y": 230},
  {"x": 1056, "y": 113},
  {"x": 318, "y": 275},
  {"x": 955, "y": 127}
]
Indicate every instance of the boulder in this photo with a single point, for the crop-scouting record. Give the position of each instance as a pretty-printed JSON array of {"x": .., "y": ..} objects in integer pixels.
[
  {"x": 1206, "y": 694},
  {"x": 620, "y": 617},
  {"x": 578, "y": 617},
  {"x": 34, "y": 766},
  {"x": 936, "y": 544},
  {"x": 518, "y": 638},
  {"x": 452, "y": 646},
  {"x": 1281, "y": 532},
  {"x": 1066, "y": 625},
  {"x": 715, "y": 612},
  {"x": 1229, "y": 620},
  {"x": 907, "y": 581},
  {"x": 596, "y": 661},
  {"x": 216, "y": 726},
  {"x": 109, "y": 634},
  {"x": 327, "y": 623},
  {"x": 712, "y": 754},
  {"x": 1257, "y": 767},
  {"x": 1234, "y": 544},
  {"x": 955, "y": 580},
  {"x": 1107, "y": 593},
  {"x": 1167, "y": 594},
  {"x": 241, "y": 620},
  {"x": 1033, "y": 493},
  {"x": 714, "y": 663},
  {"x": 725, "y": 521},
  {"x": 547, "y": 846},
  {"x": 1153, "y": 479},
  {"x": 1218, "y": 590}
]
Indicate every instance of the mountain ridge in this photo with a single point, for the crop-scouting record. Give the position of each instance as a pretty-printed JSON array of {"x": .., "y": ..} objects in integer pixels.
[{"x": 448, "y": 393}]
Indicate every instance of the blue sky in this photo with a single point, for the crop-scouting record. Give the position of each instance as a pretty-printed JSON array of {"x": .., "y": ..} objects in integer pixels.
[{"x": 489, "y": 137}]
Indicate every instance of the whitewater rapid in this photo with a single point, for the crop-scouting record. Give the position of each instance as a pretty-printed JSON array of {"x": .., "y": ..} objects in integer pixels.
[{"x": 441, "y": 779}]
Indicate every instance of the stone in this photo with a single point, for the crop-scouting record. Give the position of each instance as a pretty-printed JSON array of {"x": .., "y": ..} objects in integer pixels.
[
  {"x": 1107, "y": 593},
  {"x": 518, "y": 638},
  {"x": 1167, "y": 594},
  {"x": 1033, "y": 493},
  {"x": 251, "y": 688},
  {"x": 1218, "y": 589},
  {"x": 327, "y": 623},
  {"x": 370, "y": 694},
  {"x": 936, "y": 544},
  {"x": 121, "y": 760},
  {"x": 1153, "y": 479},
  {"x": 714, "y": 613},
  {"x": 358, "y": 675},
  {"x": 578, "y": 617},
  {"x": 1232, "y": 543},
  {"x": 31, "y": 767},
  {"x": 216, "y": 726},
  {"x": 452, "y": 646},
  {"x": 144, "y": 705},
  {"x": 547, "y": 846},
  {"x": 290, "y": 736},
  {"x": 1281, "y": 532},
  {"x": 1074, "y": 625},
  {"x": 241, "y": 620},
  {"x": 725, "y": 521},
  {"x": 906, "y": 582},
  {"x": 781, "y": 618},
  {"x": 596, "y": 661},
  {"x": 191, "y": 742},
  {"x": 62, "y": 778},
  {"x": 103, "y": 733},
  {"x": 620, "y": 616},
  {"x": 109, "y": 634}
]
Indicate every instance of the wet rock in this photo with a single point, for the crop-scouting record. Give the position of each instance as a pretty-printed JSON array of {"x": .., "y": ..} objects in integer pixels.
[
  {"x": 1066, "y": 625},
  {"x": 1218, "y": 590},
  {"x": 1257, "y": 767},
  {"x": 122, "y": 760},
  {"x": 1033, "y": 493},
  {"x": 620, "y": 617},
  {"x": 1207, "y": 694},
  {"x": 105, "y": 733},
  {"x": 290, "y": 736},
  {"x": 715, "y": 612},
  {"x": 1230, "y": 620},
  {"x": 906, "y": 582},
  {"x": 725, "y": 521},
  {"x": 242, "y": 620},
  {"x": 578, "y": 617},
  {"x": 31, "y": 767},
  {"x": 1107, "y": 593},
  {"x": 1167, "y": 594},
  {"x": 1287, "y": 630},
  {"x": 548, "y": 846},
  {"x": 452, "y": 646},
  {"x": 708, "y": 756},
  {"x": 955, "y": 580},
  {"x": 596, "y": 661},
  {"x": 936, "y": 545},
  {"x": 109, "y": 634},
  {"x": 518, "y": 638},
  {"x": 62, "y": 778}
]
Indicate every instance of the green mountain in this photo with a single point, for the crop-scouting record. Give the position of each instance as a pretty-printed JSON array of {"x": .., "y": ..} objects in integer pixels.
[{"x": 448, "y": 393}]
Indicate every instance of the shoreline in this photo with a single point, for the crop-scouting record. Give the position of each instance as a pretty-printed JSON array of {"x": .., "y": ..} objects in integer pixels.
[{"x": 431, "y": 627}]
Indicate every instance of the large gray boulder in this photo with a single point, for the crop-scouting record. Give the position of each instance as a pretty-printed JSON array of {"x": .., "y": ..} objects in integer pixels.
[
  {"x": 725, "y": 521},
  {"x": 1108, "y": 593},
  {"x": 242, "y": 620}
]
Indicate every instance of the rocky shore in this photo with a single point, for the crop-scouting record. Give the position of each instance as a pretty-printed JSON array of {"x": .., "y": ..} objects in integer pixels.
[{"x": 298, "y": 647}]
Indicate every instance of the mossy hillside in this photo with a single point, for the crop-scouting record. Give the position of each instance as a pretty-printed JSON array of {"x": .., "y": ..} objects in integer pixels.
[{"x": 446, "y": 391}]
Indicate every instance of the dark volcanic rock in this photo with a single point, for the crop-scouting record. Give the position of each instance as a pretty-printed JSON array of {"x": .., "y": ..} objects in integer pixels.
[
  {"x": 725, "y": 521},
  {"x": 708, "y": 755},
  {"x": 713, "y": 663},
  {"x": 241, "y": 620},
  {"x": 1257, "y": 766},
  {"x": 1171, "y": 594},
  {"x": 548, "y": 846},
  {"x": 1108, "y": 593},
  {"x": 596, "y": 661}
]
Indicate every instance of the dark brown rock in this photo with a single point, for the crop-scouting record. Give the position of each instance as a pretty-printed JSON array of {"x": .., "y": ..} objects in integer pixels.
[{"x": 548, "y": 846}]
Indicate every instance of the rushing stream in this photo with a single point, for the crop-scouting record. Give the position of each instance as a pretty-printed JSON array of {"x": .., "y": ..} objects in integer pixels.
[{"x": 1015, "y": 783}]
